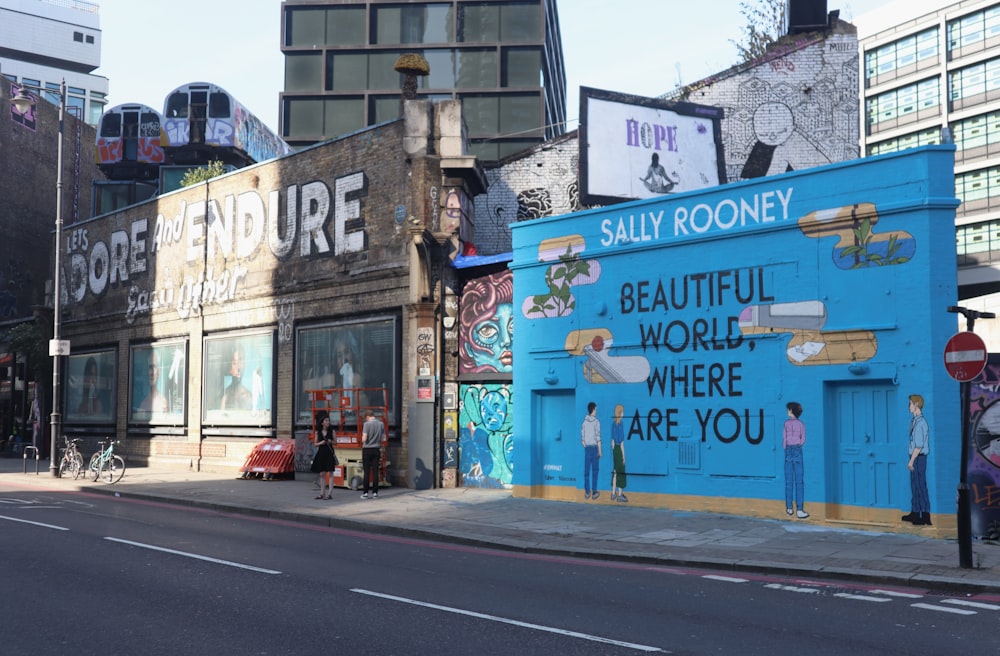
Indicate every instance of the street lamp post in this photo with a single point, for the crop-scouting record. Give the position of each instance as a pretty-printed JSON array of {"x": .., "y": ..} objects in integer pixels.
[{"x": 23, "y": 103}]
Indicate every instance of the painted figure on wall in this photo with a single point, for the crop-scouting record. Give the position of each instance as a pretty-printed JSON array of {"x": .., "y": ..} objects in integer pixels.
[
  {"x": 919, "y": 447},
  {"x": 619, "y": 479},
  {"x": 793, "y": 441},
  {"x": 590, "y": 440},
  {"x": 486, "y": 438},
  {"x": 487, "y": 332}
]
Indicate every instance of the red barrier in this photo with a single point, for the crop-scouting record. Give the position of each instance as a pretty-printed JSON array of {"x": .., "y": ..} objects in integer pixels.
[{"x": 270, "y": 459}]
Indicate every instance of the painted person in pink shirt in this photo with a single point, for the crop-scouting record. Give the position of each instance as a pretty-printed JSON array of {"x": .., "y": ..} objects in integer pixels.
[{"x": 794, "y": 439}]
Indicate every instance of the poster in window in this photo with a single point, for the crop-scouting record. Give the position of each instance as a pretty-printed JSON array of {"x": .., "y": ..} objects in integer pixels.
[
  {"x": 159, "y": 383},
  {"x": 359, "y": 358},
  {"x": 238, "y": 379},
  {"x": 90, "y": 384}
]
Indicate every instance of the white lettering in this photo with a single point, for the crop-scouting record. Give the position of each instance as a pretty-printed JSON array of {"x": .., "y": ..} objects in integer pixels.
[{"x": 729, "y": 213}]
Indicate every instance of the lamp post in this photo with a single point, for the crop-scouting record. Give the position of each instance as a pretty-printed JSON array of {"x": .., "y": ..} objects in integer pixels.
[{"x": 57, "y": 348}]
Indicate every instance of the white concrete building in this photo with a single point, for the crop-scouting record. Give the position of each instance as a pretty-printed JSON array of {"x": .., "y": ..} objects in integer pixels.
[{"x": 43, "y": 42}]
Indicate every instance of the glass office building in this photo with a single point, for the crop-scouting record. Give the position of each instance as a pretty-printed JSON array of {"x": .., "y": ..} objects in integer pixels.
[
  {"x": 941, "y": 69},
  {"x": 503, "y": 59}
]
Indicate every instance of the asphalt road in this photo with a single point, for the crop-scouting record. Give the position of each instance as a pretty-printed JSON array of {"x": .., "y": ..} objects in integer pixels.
[{"x": 90, "y": 574}]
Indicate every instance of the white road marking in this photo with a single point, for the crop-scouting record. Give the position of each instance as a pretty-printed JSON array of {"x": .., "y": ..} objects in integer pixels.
[
  {"x": 195, "y": 556},
  {"x": 526, "y": 625},
  {"x": 25, "y": 521},
  {"x": 971, "y": 604},
  {"x": 726, "y": 579},
  {"x": 893, "y": 593},
  {"x": 943, "y": 609},
  {"x": 791, "y": 588},
  {"x": 861, "y": 597}
]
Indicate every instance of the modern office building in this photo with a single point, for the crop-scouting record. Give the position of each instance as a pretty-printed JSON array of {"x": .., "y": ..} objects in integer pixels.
[
  {"x": 43, "y": 42},
  {"x": 940, "y": 68},
  {"x": 502, "y": 59}
]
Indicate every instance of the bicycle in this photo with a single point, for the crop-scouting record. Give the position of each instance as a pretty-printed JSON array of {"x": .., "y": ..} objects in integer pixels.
[
  {"x": 105, "y": 465},
  {"x": 72, "y": 460}
]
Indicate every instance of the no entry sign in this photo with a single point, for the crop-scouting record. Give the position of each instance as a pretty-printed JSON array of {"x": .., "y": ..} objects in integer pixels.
[{"x": 965, "y": 356}]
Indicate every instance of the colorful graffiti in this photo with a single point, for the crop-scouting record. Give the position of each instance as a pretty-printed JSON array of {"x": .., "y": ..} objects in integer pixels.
[
  {"x": 487, "y": 325},
  {"x": 984, "y": 456},
  {"x": 485, "y": 441}
]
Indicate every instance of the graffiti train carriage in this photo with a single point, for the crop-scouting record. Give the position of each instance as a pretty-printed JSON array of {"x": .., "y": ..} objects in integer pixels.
[
  {"x": 203, "y": 122},
  {"x": 130, "y": 142}
]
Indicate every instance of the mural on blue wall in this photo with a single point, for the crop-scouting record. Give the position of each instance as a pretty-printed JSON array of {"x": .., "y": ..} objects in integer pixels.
[
  {"x": 704, "y": 314},
  {"x": 487, "y": 325},
  {"x": 858, "y": 245},
  {"x": 485, "y": 441},
  {"x": 567, "y": 271},
  {"x": 809, "y": 343}
]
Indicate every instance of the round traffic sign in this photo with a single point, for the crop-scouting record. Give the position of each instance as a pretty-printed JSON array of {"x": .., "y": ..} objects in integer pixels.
[{"x": 965, "y": 356}]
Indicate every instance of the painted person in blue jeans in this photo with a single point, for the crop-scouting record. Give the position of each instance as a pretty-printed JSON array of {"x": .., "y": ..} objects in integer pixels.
[
  {"x": 919, "y": 447},
  {"x": 794, "y": 439},
  {"x": 590, "y": 438}
]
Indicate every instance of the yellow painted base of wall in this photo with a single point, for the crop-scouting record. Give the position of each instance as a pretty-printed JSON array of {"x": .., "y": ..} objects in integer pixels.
[{"x": 833, "y": 515}]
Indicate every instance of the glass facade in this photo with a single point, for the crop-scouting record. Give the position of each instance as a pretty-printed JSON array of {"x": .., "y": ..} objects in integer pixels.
[
  {"x": 943, "y": 68},
  {"x": 505, "y": 55}
]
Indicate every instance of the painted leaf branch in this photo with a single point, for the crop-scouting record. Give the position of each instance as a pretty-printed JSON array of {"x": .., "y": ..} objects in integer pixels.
[{"x": 559, "y": 279}]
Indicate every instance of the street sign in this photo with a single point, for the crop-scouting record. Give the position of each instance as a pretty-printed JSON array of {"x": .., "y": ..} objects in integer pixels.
[
  {"x": 965, "y": 356},
  {"x": 58, "y": 347}
]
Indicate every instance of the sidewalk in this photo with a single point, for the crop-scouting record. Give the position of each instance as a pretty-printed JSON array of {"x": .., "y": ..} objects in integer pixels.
[{"x": 596, "y": 530}]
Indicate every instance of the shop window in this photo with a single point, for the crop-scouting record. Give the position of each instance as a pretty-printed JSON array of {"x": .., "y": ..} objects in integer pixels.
[
  {"x": 158, "y": 383},
  {"x": 237, "y": 379},
  {"x": 359, "y": 355}
]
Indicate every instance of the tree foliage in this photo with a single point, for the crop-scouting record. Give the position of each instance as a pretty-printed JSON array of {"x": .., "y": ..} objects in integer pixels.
[
  {"x": 193, "y": 176},
  {"x": 31, "y": 340},
  {"x": 765, "y": 25}
]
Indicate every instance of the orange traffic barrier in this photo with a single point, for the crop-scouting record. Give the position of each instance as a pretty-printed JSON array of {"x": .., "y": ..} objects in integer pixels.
[{"x": 270, "y": 459}]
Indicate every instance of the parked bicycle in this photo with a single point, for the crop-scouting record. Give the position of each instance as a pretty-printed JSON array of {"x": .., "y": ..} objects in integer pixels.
[
  {"x": 72, "y": 460},
  {"x": 105, "y": 465}
]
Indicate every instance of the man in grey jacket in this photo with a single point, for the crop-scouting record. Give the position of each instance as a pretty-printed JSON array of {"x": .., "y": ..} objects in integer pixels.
[
  {"x": 590, "y": 438},
  {"x": 373, "y": 432}
]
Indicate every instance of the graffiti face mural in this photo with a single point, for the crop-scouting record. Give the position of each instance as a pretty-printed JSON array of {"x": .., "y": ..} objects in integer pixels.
[{"x": 487, "y": 333}]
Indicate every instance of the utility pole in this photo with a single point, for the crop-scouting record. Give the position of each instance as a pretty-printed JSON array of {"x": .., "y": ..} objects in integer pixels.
[{"x": 964, "y": 503}]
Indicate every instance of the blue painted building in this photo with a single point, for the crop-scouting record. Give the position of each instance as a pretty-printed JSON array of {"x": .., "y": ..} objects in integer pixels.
[{"x": 693, "y": 320}]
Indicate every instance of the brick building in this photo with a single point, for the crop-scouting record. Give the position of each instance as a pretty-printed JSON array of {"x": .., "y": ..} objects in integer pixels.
[
  {"x": 28, "y": 186},
  {"x": 200, "y": 320}
]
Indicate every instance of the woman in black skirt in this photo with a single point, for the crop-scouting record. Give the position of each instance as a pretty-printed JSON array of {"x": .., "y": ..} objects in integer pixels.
[{"x": 325, "y": 460}]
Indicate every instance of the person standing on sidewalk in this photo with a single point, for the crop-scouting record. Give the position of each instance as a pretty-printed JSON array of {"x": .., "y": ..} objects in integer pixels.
[
  {"x": 590, "y": 438},
  {"x": 325, "y": 460},
  {"x": 618, "y": 477},
  {"x": 793, "y": 441},
  {"x": 373, "y": 433},
  {"x": 920, "y": 442}
]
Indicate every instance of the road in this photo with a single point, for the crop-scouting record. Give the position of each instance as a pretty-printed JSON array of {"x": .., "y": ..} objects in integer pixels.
[{"x": 92, "y": 574}]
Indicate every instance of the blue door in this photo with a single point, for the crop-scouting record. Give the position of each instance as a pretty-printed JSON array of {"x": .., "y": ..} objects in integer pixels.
[
  {"x": 557, "y": 458},
  {"x": 866, "y": 475}
]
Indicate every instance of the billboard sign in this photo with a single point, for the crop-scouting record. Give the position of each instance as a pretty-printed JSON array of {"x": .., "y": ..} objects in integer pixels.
[{"x": 633, "y": 147}]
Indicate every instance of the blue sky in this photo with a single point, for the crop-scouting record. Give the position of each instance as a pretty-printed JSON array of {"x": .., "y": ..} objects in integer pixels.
[{"x": 643, "y": 47}]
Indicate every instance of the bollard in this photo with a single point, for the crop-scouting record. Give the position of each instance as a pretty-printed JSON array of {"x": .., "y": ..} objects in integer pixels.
[{"x": 26, "y": 449}]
